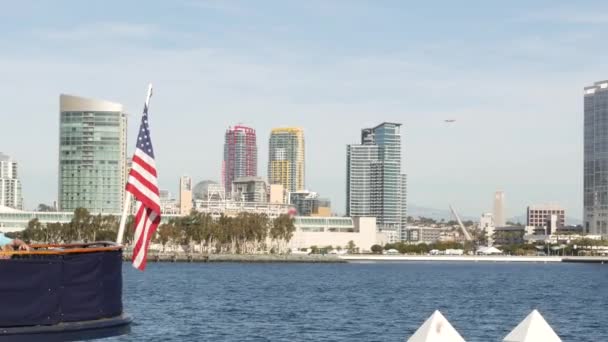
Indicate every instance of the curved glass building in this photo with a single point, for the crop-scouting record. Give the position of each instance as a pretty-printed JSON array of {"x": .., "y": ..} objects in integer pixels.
[{"x": 92, "y": 154}]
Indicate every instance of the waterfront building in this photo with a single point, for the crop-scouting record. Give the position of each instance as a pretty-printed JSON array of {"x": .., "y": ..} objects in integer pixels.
[
  {"x": 229, "y": 207},
  {"x": 336, "y": 232},
  {"x": 201, "y": 189},
  {"x": 403, "y": 201},
  {"x": 240, "y": 155},
  {"x": 185, "y": 195},
  {"x": 486, "y": 220},
  {"x": 486, "y": 224},
  {"x": 308, "y": 203},
  {"x": 215, "y": 193},
  {"x": 250, "y": 189},
  {"x": 541, "y": 216},
  {"x": 216, "y": 204},
  {"x": 286, "y": 158},
  {"x": 92, "y": 154},
  {"x": 595, "y": 167},
  {"x": 10, "y": 185},
  {"x": 168, "y": 203},
  {"x": 392, "y": 234},
  {"x": 375, "y": 185},
  {"x": 423, "y": 234},
  {"x": 499, "y": 209},
  {"x": 277, "y": 194},
  {"x": 13, "y": 220},
  {"x": 511, "y": 235}
]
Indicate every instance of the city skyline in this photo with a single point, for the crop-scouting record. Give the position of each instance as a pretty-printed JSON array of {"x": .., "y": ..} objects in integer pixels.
[{"x": 521, "y": 75}]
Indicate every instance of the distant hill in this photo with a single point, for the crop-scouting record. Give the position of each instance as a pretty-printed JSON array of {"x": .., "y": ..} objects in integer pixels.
[{"x": 436, "y": 214}]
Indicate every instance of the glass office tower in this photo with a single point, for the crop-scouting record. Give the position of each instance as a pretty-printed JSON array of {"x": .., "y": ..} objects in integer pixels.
[
  {"x": 595, "y": 169},
  {"x": 375, "y": 185},
  {"x": 92, "y": 155}
]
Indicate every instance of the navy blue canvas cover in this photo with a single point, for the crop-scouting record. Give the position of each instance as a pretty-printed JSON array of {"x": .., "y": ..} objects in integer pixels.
[{"x": 45, "y": 290}]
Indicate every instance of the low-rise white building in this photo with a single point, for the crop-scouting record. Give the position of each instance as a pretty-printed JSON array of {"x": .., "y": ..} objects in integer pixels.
[
  {"x": 13, "y": 220},
  {"x": 233, "y": 208},
  {"x": 392, "y": 234},
  {"x": 336, "y": 231}
]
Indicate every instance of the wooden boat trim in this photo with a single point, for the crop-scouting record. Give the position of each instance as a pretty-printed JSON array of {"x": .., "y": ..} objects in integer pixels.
[{"x": 64, "y": 249}]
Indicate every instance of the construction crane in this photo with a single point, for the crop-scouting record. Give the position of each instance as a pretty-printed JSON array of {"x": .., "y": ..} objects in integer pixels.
[{"x": 465, "y": 232}]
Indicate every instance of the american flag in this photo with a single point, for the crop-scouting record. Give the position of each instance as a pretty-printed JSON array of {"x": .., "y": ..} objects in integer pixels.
[{"x": 143, "y": 184}]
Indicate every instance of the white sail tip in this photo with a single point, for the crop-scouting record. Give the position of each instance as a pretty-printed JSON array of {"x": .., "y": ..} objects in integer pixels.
[
  {"x": 436, "y": 329},
  {"x": 533, "y": 328}
]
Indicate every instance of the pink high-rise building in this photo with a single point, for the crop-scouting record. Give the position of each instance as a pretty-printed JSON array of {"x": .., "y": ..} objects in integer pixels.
[{"x": 240, "y": 155}]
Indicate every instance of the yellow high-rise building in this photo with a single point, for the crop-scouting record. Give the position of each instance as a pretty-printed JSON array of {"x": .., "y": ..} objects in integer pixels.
[{"x": 286, "y": 158}]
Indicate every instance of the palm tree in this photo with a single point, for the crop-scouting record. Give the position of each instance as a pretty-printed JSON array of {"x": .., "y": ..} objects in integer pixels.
[{"x": 351, "y": 246}]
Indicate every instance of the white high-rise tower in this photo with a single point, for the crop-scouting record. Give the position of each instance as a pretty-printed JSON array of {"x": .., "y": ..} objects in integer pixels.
[{"x": 10, "y": 185}]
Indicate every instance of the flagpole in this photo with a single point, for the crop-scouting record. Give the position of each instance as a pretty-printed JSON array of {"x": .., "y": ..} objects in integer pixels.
[{"x": 127, "y": 203}]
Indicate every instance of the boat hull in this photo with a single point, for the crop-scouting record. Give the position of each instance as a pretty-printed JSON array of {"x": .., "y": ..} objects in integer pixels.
[
  {"x": 69, "y": 331},
  {"x": 62, "y": 293}
]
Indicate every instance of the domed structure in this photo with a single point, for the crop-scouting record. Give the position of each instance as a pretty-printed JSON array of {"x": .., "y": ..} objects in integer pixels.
[{"x": 200, "y": 189}]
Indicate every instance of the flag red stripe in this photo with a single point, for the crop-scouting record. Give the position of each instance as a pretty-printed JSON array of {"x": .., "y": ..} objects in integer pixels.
[
  {"x": 144, "y": 239},
  {"x": 144, "y": 181},
  {"x": 138, "y": 218},
  {"x": 145, "y": 200},
  {"x": 147, "y": 240},
  {"x": 151, "y": 169}
]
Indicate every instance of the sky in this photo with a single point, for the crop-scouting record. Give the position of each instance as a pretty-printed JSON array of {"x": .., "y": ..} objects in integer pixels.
[{"x": 510, "y": 73}]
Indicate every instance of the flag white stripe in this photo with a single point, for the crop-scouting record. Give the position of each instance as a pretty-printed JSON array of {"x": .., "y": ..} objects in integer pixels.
[
  {"x": 146, "y": 158},
  {"x": 144, "y": 190},
  {"x": 137, "y": 233},
  {"x": 145, "y": 174},
  {"x": 141, "y": 252},
  {"x": 146, "y": 230}
]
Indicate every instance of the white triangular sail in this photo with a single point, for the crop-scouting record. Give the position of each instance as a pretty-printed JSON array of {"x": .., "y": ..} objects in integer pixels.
[
  {"x": 533, "y": 328},
  {"x": 436, "y": 329}
]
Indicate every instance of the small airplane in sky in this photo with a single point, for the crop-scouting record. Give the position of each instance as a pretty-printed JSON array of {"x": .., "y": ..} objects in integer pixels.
[{"x": 450, "y": 120}]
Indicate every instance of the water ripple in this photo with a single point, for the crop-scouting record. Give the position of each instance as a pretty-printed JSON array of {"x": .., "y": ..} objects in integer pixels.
[{"x": 360, "y": 302}]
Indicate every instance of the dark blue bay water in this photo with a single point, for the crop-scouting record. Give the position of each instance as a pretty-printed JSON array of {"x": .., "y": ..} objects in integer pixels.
[{"x": 360, "y": 302}]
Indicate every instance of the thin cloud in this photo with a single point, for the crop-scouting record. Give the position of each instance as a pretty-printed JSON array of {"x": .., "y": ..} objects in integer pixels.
[
  {"x": 229, "y": 7},
  {"x": 569, "y": 16},
  {"x": 99, "y": 31}
]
